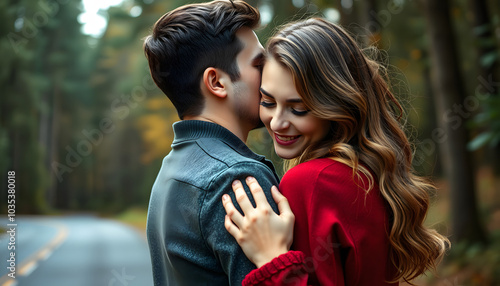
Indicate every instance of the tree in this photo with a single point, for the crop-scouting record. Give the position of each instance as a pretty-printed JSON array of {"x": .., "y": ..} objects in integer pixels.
[
  {"x": 488, "y": 58},
  {"x": 21, "y": 105},
  {"x": 452, "y": 135}
]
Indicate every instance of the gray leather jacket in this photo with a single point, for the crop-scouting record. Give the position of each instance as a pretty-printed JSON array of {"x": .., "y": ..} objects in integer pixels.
[{"x": 187, "y": 239}]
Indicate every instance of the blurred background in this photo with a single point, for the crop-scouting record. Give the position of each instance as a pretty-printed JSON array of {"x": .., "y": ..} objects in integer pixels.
[{"x": 84, "y": 128}]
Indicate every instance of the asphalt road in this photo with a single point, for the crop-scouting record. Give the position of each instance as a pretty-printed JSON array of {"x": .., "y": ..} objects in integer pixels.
[{"x": 73, "y": 251}]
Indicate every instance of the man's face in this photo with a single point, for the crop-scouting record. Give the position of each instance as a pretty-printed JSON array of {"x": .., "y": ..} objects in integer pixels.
[{"x": 246, "y": 89}]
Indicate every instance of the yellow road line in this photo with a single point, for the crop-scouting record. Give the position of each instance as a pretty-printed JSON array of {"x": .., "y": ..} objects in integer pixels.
[
  {"x": 44, "y": 254},
  {"x": 28, "y": 268},
  {"x": 10, "y": 283},
  {"x": 29, "y": 264}
]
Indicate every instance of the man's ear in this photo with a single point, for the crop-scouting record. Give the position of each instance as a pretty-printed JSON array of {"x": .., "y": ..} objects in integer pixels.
[{"x": 216, "y": 81}]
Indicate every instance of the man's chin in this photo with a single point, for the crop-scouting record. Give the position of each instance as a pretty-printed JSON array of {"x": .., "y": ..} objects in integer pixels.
[{"x": 258, "y": 125}]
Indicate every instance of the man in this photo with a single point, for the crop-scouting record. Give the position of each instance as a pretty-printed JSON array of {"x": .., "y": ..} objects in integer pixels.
[{"x": 207, "y": 60}]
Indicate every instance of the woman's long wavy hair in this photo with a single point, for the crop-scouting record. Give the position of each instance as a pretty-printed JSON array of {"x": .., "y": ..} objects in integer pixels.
[{"x": 338, "y": 82}]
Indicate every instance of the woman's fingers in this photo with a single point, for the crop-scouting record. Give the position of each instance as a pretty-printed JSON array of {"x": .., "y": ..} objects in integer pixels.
[
  {"x": 258, "y": 194},
  {"x": 231, "y": 212},
  {"x": 261, "y": 233},
  {"x": 241, "y": 197},
  {"x": 286, "y": 214},
  {"x": 230, "y": 227},
  {"x": 282, "y": 202}
]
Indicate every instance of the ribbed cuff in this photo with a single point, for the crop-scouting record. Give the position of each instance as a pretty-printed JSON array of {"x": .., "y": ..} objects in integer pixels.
[{"x": 274, "y": 266}]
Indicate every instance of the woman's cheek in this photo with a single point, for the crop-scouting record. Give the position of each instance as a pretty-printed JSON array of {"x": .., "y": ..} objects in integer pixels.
[{"x": 265, "y": 116}]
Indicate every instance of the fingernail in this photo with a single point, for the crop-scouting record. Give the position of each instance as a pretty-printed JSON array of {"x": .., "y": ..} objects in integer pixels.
[
  {"x": 273, "y": 188},
  {"x": 249, "y": 179},
  {"x": 235, "y": 182},
  {"x": 225, "y": 197}
]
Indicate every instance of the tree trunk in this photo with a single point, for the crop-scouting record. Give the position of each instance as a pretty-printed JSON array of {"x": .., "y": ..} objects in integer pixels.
[
  {"x": 452, "y": 134},
  {"x": 45, "y": 139},
  {"x": 347, "y": 17},
  {"x": 373, "y": 24},
  {"x": 486, "y": 45},
  {"x": 483, "y": 31}
]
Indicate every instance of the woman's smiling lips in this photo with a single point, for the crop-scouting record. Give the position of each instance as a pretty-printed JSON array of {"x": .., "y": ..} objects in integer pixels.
[{"x": 285, "y": 140}]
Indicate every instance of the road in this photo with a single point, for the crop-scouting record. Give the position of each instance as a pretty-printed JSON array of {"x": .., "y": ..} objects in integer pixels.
[{"x": 80, "y": 250}]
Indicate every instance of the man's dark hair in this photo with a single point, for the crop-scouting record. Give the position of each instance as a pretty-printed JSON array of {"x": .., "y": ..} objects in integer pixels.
[{"x": 191, "y": 38}]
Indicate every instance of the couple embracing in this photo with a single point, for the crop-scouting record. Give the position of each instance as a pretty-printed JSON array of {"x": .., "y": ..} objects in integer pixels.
[{"x": 349, "y": 210}]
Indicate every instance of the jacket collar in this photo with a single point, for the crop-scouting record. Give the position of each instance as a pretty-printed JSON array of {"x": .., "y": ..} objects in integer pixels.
[{"x": 187, "y": 130}]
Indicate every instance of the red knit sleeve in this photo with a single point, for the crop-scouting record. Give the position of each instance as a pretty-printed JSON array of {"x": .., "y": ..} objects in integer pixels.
[{"x": 286, "y": 269}]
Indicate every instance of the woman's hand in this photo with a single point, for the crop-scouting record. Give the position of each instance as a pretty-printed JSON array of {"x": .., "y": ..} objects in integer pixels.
[{"x": 260, "y": 232}]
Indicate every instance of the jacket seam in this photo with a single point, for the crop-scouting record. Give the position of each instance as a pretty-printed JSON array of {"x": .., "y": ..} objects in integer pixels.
[{"x": 204, "y": 148}]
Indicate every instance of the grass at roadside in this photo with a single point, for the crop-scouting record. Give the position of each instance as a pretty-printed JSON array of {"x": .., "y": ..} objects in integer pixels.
[{"x": 134, "y": 217}]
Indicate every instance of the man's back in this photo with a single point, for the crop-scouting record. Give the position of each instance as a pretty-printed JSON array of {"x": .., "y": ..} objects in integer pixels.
[{"x": 188, "y": 242}]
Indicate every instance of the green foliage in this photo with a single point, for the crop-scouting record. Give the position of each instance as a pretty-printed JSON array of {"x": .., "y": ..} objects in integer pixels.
[
  {"x": 20, "y": 106},
  {"x": 473, "y": 265},
  {"x": 490, "y": 58},
  {"x": 135, "y": 217},
  {"x": 488, "y": 120}
]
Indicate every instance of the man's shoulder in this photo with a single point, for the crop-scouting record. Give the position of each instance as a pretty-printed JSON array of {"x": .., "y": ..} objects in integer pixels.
[
  {"x": 204, "y": 161},
  {"x": 208, "y": 149},
  {"x": 236, "y": 161},
  {"x": 223, "y": 152}
]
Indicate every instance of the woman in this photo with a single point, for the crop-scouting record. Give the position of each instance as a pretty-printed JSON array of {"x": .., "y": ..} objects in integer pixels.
[{"x": 359, "y": 209}]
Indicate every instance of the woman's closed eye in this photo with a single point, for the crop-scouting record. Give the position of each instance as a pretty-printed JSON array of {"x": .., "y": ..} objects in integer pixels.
[
  {"x": 267, "y": 103},
  {"x": 299, "y": 111},
  {"x": 295, "y": 105}
]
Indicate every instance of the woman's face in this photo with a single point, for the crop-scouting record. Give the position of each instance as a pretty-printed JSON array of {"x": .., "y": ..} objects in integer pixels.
[{"x": 290, "y": 124}]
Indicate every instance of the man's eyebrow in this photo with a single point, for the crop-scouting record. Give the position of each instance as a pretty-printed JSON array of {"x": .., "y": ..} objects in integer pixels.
[
  {"x": 292, "y": 100},
  {"x": 259, "y": 57}
]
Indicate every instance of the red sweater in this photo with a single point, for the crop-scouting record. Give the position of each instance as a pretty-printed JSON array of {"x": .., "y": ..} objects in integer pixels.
[{"x": 340, "y": 234}]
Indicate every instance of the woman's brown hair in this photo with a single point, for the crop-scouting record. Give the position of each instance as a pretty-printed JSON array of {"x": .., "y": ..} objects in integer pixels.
[{"x": 338, "y": 82}]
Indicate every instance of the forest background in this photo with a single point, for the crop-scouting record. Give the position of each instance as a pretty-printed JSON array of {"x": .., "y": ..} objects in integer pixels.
[{"x": 85, "y": 129}]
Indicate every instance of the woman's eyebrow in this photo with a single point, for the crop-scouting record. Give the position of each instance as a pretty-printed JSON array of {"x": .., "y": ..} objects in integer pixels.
[
  {"x": 266, "y": 93},
  {"x": 291, "y": 100}
]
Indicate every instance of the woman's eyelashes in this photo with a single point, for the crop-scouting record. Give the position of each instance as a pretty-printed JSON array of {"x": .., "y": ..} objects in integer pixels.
[
  {"x": 294, "y": 110},
  {"x": 299, "y": 112},
  {"x": 267, "y": 104}
]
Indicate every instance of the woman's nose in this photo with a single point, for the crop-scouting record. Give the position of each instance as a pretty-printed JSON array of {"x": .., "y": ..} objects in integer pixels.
[{"x": 279, "y": 121}]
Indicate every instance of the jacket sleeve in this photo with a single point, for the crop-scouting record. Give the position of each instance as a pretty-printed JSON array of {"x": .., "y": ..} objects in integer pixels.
[{"x": 231, "y": 257}]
